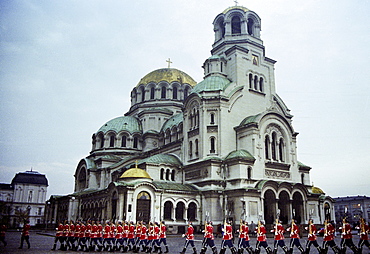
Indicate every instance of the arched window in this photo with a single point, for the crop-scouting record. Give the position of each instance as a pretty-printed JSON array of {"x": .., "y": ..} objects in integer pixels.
[
  {"x": 163, "y": 92},
  {"x": 250, "y": 26},
  {"x": 212, "y": 118},
  {"x": 142, "y": 94},
  {"x": 212, "y": 141},
  {"x": 261, "y": 84},
  {"x": 174, "y": 92},
  {"x": 190, "y": 148},
  {"x": 255, "y": 82},
  {"x": 123, "y": 141},
  {"x": 162, "y": 174},
  {"x": 273, "y": 146},
  {"x": 249, "y": 173},
  {"x": 152, "y": 92},
  {"x": 267, "y": 147},
  {"x": 196, "y": 147},
  {"x": 235, "y": 25},
  {"x": 167, "y": 174},
  {"x": 101, "y": 137},
  {"x": 180, "y": 208},
  {"x": 112, "y": 138},
  {"x": 250, "y": 80},
  {"x": 173, "y": 175},
  {"x": 281, "y": 150},
  {"x": 168, "y": 208},
  {"x": 192, "y": 211},
  {"x": 136, "y": 141}
]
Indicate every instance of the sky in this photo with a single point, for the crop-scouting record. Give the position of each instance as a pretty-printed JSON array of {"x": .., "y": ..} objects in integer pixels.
[{"x": 67, "y": 67}]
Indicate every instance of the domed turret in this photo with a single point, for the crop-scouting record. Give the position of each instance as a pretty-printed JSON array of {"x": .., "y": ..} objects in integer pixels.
[{"x": 135, "y": 174}]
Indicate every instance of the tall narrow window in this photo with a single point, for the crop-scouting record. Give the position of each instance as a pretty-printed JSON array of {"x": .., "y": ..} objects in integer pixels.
[
  {"x": 101, "y": 140},
  {"x": 267, "y": 146},
  {"x": 111, "y": 141},
  {"x": 152, "y": 92},
  {"x": 273, "y": 146},
  {"x": 167, "y": 174},
  {"x": 250, "y": 80},
  {"x": 212, "y": 118},
  {"x": 261, "y": 84},
  {"x": 136, "y": 141},
  {"x": 196, "y": 147},
  {"x": 191, "y": 148},
  {"x": 174, "y": 92},
  {"x": 249, "y": 173},
  {"x": 255, "y": 82},
  {"x": 281, "y": 150},
  {"x": 142, "y": 94},
  {"x": 123, "y": 141},
  {"x": 235, "y": 25},
  {"x": 250, "y": 26},
  {"x": 212, "y": 141},
  {"x": 173, "y": 175},
  {"x": 163, "y": 92},
  {"x": 162, "y": 173}
]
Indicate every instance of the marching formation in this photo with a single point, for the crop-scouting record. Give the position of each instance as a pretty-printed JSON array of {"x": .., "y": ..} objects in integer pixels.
[
  {"x": 123, "y": 236},
  {"x": 278, "y": 230}
]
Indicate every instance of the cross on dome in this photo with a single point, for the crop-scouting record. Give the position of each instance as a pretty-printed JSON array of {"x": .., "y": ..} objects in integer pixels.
[
  {"x": 169, "y": 62},
  {"x": 236, "y": 2}
]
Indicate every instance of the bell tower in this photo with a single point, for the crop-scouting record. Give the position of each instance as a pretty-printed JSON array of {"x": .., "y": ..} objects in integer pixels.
[{"x": 238, "y": 52}]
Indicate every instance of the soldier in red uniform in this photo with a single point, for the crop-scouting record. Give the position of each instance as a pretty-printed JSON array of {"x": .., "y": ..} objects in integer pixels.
[
  {"x": 125, "y": 236},
  {"x": 227, "y": 238},
  {"x": 25, "y": 234},
  {"x": 87, "y": 235},
  {"x": 118, "y": 245},
  {"x": 138, "y": 236},
  {"x": 2, "y": 234},
  {"x": 76, "y": 235},
  {"x": 328, "y": 232},
  {"x": 58, "y": 235},
  {"x": 107, "y": 240},
  {"x": 346, "y": 235},
  {"x": 294, "y": 237},
  {"x": 94, "y": 242},
  {"x": 143, "y": 243},
  {"x": 150, "y": 238},
  {"x": 162, "y": 236},
  {"x": 82, "y": 238},
  {"x": 261, "y": 238},
  {"x": 279, "y": 237},
  {"x": 312, "y": 238},
  {"x": 364, "y": 237},
  {"x": 131, "y": 236},
  {"x": 156, "y": 244},
  {"x": 208, "y": 239},
  {"x": 189, "y": 239},
  {"x": 243, "y": 242}
]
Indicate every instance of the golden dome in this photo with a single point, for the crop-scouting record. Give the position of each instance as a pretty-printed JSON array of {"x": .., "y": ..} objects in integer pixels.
[
  {"x": 169, "y": 75},
  {"x": 317, "y": 190},
  {"x": 135, "y": 173}
]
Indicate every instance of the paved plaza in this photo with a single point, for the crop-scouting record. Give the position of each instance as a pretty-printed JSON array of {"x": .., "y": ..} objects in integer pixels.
[{"x": 42, "y": 242}]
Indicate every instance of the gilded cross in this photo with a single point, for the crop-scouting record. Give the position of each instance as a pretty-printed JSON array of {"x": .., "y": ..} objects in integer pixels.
[
  {"x": 236, "y": 2},
  {"x": 169, "y": 62},
  {"x": 136, "y": 164}
]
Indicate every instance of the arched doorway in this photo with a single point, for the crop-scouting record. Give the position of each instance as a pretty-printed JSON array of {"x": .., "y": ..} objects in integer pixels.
[
  {"x": 192, "y": 210},
  {"x": 269, "y": 206},
  {"x": 327, "y": 211},
  {"x": 143, "y": 207},
  {"x": 297, "y": 207},
  {"x": 283, "y": 205}
]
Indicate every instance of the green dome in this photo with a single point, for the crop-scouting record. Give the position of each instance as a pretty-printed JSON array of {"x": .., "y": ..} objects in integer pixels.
[
  {"x": 173, "y": 121},
  {"x": 122, "y": 123},
  {"x": 212, "y": 83}
]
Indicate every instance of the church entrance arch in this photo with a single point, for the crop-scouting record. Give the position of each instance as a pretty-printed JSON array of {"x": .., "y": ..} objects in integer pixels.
[
  {"x": 283, "y": 206},
  {"x": 297, "y": 207},
  {"x": 143, "y": 207},
  {"x": 269, "y": 206}
]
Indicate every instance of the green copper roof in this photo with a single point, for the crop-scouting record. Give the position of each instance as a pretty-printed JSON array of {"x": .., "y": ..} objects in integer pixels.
[
  {"x": 168, "y": 159},
  {"x": 173, "y": 121},
  {"x": 122, "y": 123},
  {"x": 174, "y": 186},
  {"x": 239, "y": 154},
  {"x": 249, "y": 119},
  {"x": 300, "y": 164},
  {"x": 211, "y": 83}
]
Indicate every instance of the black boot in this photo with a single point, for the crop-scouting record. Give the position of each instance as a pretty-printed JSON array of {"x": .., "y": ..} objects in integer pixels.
[
  {"x": 222, "y": 251},
  {"x": 203, "y": 250},
  {"x": 214, "y": 250},
  {"x": 301, "y": 249},
  {"x": 183, "y": 251},
  {"x": 194, "y": 250},
  {"x": 250, "y": 250},
  {"x": 166, "y": 251},
  {"x": 233, "y": 250},
  {"x": 257, "y": 251},
  {"x": 269, "y": 250},
  {"x": 54, "y": 246}
]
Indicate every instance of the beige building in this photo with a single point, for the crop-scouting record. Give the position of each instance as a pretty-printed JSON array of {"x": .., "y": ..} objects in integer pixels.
[
  {"x": 24, "y": 198},
  {"x": 223, "y": 147}
]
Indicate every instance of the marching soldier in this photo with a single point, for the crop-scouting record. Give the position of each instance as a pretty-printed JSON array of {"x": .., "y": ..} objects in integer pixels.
[
  {"x": 364, "y": 237},
  {"x": 312, "y": 237},
  {"x": 279, "y": 237},
  {"x": 294, "y": 237},
  {"x": 156, "y": 243},
  {"x": 328, "y": 232},
  {"x": 118, "y": 245},
  {"x": 227, "y": 238},
  {"x": 189, "y": 239},
  {"x": 244, "y": 238},
  {"x": 58, "y": 236},
  {"x": 143, "y": 238},
  {"x": 208, "y": 239},
  {"x": 261, "y": 238},
  {"x": 162, "y": 236},
  {"x": 346, "y": 237},
  {"x": 131, "y": 237}
]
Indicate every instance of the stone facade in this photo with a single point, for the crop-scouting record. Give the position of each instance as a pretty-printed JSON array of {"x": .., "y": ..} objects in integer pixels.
[{"x": 223, "y": 147}]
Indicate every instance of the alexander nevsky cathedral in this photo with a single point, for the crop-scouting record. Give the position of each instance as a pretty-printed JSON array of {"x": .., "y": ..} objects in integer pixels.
[{"x": 185, "y": 151}]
